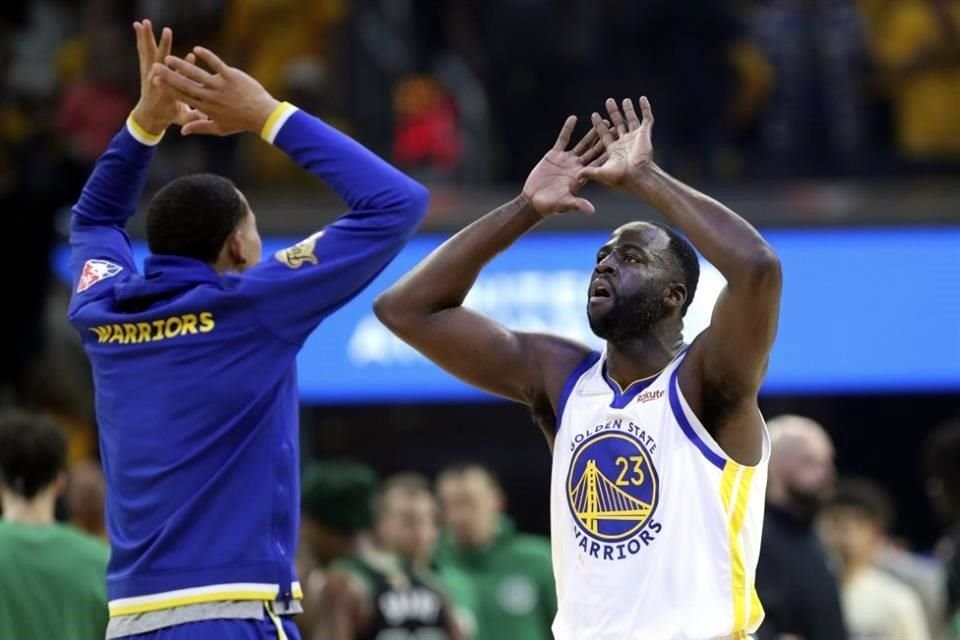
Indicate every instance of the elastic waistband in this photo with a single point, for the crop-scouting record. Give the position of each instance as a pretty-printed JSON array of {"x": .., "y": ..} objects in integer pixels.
[
  {"x": 138, "y": 623},
  {"x": 232, "y": 592}
]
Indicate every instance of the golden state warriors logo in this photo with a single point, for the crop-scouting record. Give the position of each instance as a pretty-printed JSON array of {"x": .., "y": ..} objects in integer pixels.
[
  {"x": 300, "y": 253},
  {"x": 612, "y": 488}
]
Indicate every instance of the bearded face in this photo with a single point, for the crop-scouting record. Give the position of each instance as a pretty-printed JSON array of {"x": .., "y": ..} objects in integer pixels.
[{"x": 617, "y": 316}]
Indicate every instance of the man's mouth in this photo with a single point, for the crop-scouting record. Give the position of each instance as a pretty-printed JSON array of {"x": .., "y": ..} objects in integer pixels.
[{"x": 600, "y": 290}]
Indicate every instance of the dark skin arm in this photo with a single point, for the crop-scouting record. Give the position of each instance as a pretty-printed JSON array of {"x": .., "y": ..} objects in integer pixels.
[
  {"x": 425, "y": 308},
  {"x": 343, "y": 609},
  {"x": 726, "y": 364}
]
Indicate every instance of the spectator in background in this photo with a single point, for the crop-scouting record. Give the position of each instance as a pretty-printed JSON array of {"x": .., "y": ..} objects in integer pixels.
[
  {"x": 689, "y": 55},
  {"x": 942, "y": 468},
  {"x": 798, "y": 592},
  {"x": 266, "y": 37},
  {"x": 512, "y": 573},
  {"x": 876, "y": 606},
  {"x": 814, "y": 122},
  {"x": 406, "y": 525},
  {"x": 36, "y": 179},
  {"x": 427, "y": 138},
  {"x": 357, "y": 590},
  {"x": 86, "y": 491},
  {"x": 52, "y": 577},
  {"x": 918, "y": 45},
  {"x": 105, "y": 82}
]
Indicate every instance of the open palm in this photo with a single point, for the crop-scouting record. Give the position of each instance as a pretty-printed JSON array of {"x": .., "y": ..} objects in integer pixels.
[
  {"x": 553, "y": 184},
  {"x": 628, "y": 149}
]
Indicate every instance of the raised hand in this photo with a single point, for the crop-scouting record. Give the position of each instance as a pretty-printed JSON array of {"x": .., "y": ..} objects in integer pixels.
[
  {"x": 231, "y": 100},
  {"x": 157, "y": 108},
  {"x": 553, "y": 184},
  {"x": 629, "y": 149}
]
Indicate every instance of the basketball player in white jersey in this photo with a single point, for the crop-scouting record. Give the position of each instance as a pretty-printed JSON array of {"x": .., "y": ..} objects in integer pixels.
[{"x": 659, "y": 448}]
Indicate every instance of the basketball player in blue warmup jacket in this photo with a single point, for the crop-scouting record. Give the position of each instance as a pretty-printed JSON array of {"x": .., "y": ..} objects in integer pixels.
[{"x": 194, "y": 360}]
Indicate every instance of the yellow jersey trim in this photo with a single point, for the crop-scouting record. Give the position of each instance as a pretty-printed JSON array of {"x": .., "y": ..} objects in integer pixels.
[
  {"x": 735, "y": 494},
  {"x": 276, "y": 120},
  {"x": 141, "y": 135}
]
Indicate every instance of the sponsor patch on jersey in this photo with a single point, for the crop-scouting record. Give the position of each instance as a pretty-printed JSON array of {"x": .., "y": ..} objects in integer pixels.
[
  {"x": 612, "y": 486},
  {"x": 95, "y": 271},
  {"x": 300, "y": 253},
  {"x": 648, "y": 396}
]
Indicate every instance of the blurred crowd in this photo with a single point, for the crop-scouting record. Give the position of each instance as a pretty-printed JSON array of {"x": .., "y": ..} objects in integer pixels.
[
  {"x": 472, "y": 92},
  {"x": 442, "y": 558}
]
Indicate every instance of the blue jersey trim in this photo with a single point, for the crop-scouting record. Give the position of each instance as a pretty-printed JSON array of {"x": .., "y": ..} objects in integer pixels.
[
  {"x": 687, "y": 428},
  {"x": 571, "y": 382},
  {"x": 622, "y": 398}
]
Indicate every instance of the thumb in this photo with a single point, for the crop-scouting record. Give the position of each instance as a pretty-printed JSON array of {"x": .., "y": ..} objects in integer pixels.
[
  {"x": 200, "y": 126},
  {"x": 589, "y": 173},
  {"x": 584, "y": 206},
  {"x": 571, "y": 203}
]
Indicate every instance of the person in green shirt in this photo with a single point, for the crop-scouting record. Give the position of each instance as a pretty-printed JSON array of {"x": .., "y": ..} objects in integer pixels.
[
  {"x": 512, "y": 573},
  {"x": 52, "y": 577}
]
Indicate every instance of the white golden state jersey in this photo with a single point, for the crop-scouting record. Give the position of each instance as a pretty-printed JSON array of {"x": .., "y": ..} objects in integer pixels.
[{"x": 655, "y": 531}]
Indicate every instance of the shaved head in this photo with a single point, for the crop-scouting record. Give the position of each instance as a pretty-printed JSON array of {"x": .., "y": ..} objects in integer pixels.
[{"x": 801, "y": 465}]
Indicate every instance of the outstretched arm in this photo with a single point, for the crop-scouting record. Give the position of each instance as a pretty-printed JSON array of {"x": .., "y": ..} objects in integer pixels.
[
  {"x": 299, "y": 286},
  {"x": 425, "y": 308},
  {"x": 100, "y": 247},
  {"x": 727, "y": 362}
]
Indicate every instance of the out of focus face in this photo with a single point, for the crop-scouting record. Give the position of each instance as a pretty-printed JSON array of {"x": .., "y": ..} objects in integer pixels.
[
  {"x": 471, "y": 505},
  {"x": 850, "y": 533},
  {"x": 407, "y": 525},
  {"x": 322, "y": 542},
  {"x": 808, "y": 470},
  {"x": 632, "y": 274}
]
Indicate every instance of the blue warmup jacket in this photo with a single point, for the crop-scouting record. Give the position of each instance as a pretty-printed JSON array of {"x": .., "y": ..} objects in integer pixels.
[{"x": 196, "y": 388}]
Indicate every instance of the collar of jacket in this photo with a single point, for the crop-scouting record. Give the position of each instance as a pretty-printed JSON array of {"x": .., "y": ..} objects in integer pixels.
[{"x": 164, "y": 276}]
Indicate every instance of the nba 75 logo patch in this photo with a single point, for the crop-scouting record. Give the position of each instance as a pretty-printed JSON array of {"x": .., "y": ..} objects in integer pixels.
[{"x": 94, "y": 271}]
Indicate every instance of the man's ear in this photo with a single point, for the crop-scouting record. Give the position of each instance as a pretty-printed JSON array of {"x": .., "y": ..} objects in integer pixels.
[
  {"x": 675, "y": 295},
  {"x": 235, "y": 249}
]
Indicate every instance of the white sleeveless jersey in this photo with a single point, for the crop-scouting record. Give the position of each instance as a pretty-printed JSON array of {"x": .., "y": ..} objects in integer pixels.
[{"x": 655, "y": 532}]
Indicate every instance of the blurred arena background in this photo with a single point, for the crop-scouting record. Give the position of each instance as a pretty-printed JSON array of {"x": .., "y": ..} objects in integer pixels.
[{"x": 833, "y": 125}]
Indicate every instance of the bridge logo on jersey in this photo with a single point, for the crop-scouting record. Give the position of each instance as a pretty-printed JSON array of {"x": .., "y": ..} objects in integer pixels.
[{"x": 612, "y": 487}]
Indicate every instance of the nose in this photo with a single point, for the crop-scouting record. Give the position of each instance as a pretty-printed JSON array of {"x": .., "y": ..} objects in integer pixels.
[{"x": 605, "y": 266}]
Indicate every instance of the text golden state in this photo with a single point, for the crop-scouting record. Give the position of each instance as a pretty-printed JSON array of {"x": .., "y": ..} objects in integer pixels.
[{"x": 155, "y": 330}]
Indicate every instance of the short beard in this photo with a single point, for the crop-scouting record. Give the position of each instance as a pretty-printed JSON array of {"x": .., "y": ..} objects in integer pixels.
[{"x": 632, "y": 317}]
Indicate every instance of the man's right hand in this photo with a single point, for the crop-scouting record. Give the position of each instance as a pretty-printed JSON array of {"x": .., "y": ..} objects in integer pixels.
[
  {"x": 232, "y": 100},
  {"x": 156, "y": 110},
  {"x": 553, "y": 184}
]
